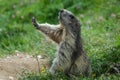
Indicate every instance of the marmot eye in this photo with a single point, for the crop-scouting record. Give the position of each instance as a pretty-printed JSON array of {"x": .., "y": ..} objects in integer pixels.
[{"x": 71, "y": 16}]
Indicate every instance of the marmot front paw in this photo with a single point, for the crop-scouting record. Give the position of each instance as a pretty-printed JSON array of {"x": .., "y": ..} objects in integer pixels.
[{"x": 34, "y": 21}]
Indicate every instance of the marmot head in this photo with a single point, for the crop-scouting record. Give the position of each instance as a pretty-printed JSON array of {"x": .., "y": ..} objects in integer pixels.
[{"x": 68, "y": 20}]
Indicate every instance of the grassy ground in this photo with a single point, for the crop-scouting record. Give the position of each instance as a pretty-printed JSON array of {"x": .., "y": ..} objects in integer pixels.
[{"x": 100, "y": 32}]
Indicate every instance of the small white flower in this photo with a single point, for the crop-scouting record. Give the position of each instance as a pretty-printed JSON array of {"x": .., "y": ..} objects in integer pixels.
[
  {"x": 89, "y": 22},
  {"x": 113, "y": 15},
  {"x": 39, "y": 57},
  {"x": 13, "y": 16},
  {"x": 14, "y": 6},
  {"x": 82, "y": 15},
  {"x": 22, "y": 17},
  {"x": 101, "y": 18},
  {"x": 11, "y": 78},
  {"x": 17, "y": 13}
]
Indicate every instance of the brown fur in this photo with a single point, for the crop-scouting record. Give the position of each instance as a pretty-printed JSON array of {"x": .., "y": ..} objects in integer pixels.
[{"x": 71, "y": 56}]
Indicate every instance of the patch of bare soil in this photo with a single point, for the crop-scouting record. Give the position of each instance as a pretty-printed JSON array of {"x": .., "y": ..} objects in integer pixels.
[{"x": 12, "y": 67}]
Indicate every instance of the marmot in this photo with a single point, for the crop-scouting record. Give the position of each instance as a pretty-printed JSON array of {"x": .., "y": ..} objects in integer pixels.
[{"x": 71, "y": 57}]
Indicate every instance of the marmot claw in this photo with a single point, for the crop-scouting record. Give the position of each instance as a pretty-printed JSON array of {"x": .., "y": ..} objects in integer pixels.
[{"x": 35, "y": 22}]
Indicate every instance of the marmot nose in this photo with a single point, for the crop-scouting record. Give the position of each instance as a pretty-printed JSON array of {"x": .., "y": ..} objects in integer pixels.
[{"x": 61, "y": 10}]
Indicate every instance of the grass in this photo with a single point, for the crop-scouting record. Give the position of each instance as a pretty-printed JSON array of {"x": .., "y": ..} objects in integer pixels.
[{"x": 100, "y": 31}]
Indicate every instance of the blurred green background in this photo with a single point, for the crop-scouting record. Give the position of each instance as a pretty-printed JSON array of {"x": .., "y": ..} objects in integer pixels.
[{"x": 100, "y": 30}]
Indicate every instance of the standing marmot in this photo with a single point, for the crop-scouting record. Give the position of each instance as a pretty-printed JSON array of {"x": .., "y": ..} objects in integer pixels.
[{"x": 71, "y": 57}]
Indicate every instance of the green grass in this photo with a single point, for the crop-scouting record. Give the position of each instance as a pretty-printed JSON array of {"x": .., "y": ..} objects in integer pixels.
[{"x": 100, "y": 31}]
